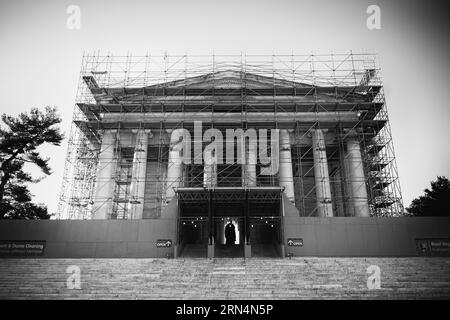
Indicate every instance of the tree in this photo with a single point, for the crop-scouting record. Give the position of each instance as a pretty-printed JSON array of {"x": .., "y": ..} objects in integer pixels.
[
  {"x": 18, "y": 145},
  {"x": 435, "y": 202}
]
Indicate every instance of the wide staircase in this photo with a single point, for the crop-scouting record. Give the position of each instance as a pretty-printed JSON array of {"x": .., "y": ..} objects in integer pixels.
[
  {"x": 265, "y": 250},
  {"x": 229, "y": 251},
  {"x": 194, "y": 251},
  {"x": 296, "y": 278}
]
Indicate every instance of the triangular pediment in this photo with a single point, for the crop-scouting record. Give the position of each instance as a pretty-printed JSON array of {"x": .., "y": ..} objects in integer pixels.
[
  {"x": 225, "y": 83},
  {"x": 230, "y": 79}
]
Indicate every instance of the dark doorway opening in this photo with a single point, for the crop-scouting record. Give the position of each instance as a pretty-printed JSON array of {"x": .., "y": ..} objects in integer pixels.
[
  {"x": 193, "y": 237},
  {"x": 265, "y": 225},
  {"x": 265, "y": 235},
  {"x": 193, "y": 228},
  {"x": 255, "y": 216},
  {"x": 229, "y": 249}
]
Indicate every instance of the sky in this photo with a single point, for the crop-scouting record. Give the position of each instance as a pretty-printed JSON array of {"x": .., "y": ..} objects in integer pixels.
[{"x": 40, "y": 58}]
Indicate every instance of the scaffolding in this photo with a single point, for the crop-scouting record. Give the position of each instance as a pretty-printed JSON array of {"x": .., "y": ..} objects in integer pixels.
[{"x": 299, "y": 92}]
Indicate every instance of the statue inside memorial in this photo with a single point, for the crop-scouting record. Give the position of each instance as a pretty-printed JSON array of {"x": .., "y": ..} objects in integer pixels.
[{"x": 230, "y": 233}]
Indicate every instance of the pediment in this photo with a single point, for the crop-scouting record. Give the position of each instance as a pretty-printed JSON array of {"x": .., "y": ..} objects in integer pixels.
[
  {"x": 228, "y": 84},
  {"x": 231, "y": 80}
]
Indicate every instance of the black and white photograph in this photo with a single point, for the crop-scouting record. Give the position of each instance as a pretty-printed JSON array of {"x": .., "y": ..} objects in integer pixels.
[{"x": 224, "y": 158}]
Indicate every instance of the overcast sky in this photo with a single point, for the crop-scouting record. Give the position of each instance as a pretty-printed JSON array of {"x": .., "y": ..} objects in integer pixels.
[{"x": 40, "y": 58}]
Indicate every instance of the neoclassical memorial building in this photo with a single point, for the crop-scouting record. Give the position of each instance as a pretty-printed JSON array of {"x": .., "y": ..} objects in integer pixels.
[{"x": 203, "y": 140}]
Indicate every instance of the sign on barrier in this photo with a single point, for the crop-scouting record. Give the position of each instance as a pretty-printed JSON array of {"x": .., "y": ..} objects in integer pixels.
[
  {"x": 433, "y": 247},
  {"x": 295, "y": 242},
  {"x": 22, "y": 248},
  {"x": 163, "y": 243}
]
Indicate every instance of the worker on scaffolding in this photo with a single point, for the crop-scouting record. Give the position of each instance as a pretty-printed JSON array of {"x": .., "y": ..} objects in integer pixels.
[{"x": 230, "y": 233}]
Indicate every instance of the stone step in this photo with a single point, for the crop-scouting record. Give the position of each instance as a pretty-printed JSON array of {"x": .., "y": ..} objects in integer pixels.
[{"x": 227, "y": 278}]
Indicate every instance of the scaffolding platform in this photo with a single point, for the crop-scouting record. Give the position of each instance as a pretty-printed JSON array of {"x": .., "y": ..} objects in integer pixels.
[{"x": 338, "y": 93}]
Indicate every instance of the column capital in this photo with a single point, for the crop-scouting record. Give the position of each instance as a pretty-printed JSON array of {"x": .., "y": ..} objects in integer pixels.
[
  {"x": 109, "y": 134},
  {"x": 141, "y": 130},
  {"x": 310, "y": 132},
  {"x": 350, "y": 133},
  {"x": 285, "y": 140}
]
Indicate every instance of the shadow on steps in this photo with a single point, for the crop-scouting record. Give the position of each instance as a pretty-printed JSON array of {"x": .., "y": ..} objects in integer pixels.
[{"x": 229, "y": 251}]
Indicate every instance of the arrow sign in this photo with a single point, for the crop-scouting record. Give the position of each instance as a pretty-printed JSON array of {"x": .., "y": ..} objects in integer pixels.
[
  {"x": 163, "y": 243},
  {"x": 295, "y": 242}
]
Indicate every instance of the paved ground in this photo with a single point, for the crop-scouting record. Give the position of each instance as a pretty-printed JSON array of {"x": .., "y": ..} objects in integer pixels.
[{"x": 296, "y": 278}]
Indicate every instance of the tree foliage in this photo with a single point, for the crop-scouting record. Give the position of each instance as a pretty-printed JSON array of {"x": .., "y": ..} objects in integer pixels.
[
  {"x": 435, "y": 201},
  {"x": 20, "y": 138}
]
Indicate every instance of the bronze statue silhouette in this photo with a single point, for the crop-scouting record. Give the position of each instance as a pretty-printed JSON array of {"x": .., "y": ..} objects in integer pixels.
[{"x": 230, "y": 233}]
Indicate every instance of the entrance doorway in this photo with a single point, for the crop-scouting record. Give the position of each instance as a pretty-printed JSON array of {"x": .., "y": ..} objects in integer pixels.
[
  {"x": 254, "y": 216},
  {"x": 193, "y": 226},
  {"x": 229, "y": 237},
  {"x": 193, "y": 237},
  {"x": 265, "y": 235}
]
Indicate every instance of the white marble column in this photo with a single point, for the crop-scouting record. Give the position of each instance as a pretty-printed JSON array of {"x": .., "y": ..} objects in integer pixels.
[
  {"x": 357, "y": 178},
  {"x": 210, "y": 170},
  {"x": 286, "y": 174},
  {"x": 175, "y": 164},
  {"x": 137, "y": 188},
  {"x": 249, "y": 172},
  {"x": 339, "y": 194},
  {"x": 321, "y": 175},
  {"x": 106, "y": 170},
  {"x": 348, "y": 202}
]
